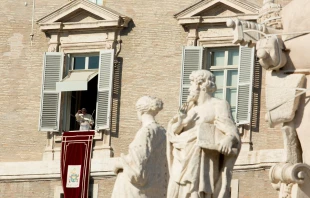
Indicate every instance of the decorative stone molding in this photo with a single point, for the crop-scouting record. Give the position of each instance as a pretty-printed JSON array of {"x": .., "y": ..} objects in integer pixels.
[
  {"x": 50, "y": 170},
  {"x": 245, "y": 32},
  {"x": 199, "y": 19},
  {"x": 269, "y": 14},
  {"x": 292, "y": 180},
  {"x": 81, "y": 26}
]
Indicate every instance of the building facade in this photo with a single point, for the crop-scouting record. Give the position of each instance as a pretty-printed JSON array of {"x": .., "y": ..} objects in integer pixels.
[{"x": 59, "y": 56}]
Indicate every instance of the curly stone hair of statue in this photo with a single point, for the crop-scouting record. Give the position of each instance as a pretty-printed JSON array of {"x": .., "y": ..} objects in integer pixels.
[
  {"x": 205, "y": 78},
  {"x": 149, "y": 104}
]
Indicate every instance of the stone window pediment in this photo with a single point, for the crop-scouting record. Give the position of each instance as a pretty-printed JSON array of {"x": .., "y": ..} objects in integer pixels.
[
  {"x": 82, "y": 24},
  {"x": 217, "y": 11},
  {"x": 81, "y": 11}
]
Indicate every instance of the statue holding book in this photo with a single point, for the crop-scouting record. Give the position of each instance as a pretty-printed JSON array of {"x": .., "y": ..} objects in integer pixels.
[{"x": 203, "y": 143}]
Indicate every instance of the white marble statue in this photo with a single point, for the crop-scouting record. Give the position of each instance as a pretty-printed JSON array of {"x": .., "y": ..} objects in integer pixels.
[
  {"x": 142, "y": 173},
  {"x": 203, "y": 143}
]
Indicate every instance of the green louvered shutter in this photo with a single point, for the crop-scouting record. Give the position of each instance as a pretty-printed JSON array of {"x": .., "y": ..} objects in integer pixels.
[
  {"x": 50, "y": 97},
  {"x": 104, "y": 98},
  {"x": 244, "y": 92},
  {"x": 191, "y": 61}
]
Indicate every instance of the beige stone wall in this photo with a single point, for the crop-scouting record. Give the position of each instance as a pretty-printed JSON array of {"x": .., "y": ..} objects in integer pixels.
[
  {"x": 21, "y": 75},
  {"x": 254, "y": 184},
  {"x": 266, "y": 137},
  {"x": 151, "y": 53},
  {"x": 46, "y": 189},
  {"x": 29, "y": 189},
  {"x": 105, "y": 186}
]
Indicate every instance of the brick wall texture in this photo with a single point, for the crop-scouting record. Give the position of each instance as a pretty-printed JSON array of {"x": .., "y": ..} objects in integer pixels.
[{"x": 151, "y": 53}]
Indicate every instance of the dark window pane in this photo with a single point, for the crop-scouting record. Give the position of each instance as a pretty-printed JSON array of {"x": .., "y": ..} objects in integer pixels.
[
  {"x": 93, "y": 62},
  {"x": 79, "y": 63},
  {"x": 218, "y": 58},
  {"x": 233, "y": 57}
]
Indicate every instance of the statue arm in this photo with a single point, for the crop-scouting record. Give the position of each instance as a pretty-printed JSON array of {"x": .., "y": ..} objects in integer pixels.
[
  {"x": 134, "y": 164},
  {"x": 224, "y": 122},
  {"x": 179, "y": 121}
]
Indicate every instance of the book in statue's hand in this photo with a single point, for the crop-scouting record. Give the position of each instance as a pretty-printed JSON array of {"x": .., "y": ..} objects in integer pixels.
[{"x": 208, "y": 137}]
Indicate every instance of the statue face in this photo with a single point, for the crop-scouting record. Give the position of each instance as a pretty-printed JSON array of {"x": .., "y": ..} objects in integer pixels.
[{"x": 194, "y": 91}]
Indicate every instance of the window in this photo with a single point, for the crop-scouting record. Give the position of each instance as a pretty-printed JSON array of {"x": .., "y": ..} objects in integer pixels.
[
  {"x": 83, "y": 62},
  {"x": 223, "y": 63},
  {"x": 233, "y": 69},
  {"x": 87, "y": 82},
  {"x": 99, "y": 2}
]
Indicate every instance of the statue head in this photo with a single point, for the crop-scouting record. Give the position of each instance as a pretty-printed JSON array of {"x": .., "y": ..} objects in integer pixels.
[
  {"x": 270, "y": 53},
  {"x": 149, "y": 105},
  {"x": 201, "y": 80}
]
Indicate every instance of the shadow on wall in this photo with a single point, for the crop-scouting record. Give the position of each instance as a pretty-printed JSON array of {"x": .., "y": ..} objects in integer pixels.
[
  {"x": 257, "y": 81},
  {"x": 116, "y": 96},
  {"x": 128, "y": 29}
]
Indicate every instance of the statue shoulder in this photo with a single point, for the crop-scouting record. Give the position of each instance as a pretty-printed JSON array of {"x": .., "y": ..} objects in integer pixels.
[
  {"x": 220, "y": 102},
  {"x": 221, "y": 107},
  {"x": 154, "y": 127}
]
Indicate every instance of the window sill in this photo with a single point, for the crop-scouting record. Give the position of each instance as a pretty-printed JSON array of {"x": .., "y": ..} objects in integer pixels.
[{"x": 98, "y": 135}]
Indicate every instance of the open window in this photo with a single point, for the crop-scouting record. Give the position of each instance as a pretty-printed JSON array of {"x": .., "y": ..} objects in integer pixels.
[
  {"x": 233, "y": 70},
  {"x": 87, "y": 83}
]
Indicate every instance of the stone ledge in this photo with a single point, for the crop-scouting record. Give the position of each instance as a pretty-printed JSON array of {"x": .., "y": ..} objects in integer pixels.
[
  {"x": 260, "y": 159},
  {"x": 50, "y": 170}
]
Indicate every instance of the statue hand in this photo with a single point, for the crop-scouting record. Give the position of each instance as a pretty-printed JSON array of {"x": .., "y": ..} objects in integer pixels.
[{"x": 225, "y": 145}]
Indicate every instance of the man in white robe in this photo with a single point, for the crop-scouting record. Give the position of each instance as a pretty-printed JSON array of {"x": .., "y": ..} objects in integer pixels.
[{"x": 85, "y": 120}]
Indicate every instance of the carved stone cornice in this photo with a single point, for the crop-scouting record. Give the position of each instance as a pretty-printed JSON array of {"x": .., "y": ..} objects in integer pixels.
[
  {"x": 207, "y": 13},
  {"x": 82, "y": 26},
  {"x": 105, "y": 13},
  {"x": 246, "y": 7},
  {"x": 269, "y": 14}
]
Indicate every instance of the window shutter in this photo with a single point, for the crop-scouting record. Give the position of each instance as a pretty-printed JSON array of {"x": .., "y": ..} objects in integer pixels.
[
  {"x": 104, "y": 98},
  {"x": 245, "y": 78},
  {"x": 50, "y": 97},
  {"x": 191, "y": 61}
]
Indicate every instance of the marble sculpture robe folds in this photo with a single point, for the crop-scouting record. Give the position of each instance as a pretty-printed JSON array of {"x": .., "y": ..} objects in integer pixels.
[{"x": 144, "y": 167}]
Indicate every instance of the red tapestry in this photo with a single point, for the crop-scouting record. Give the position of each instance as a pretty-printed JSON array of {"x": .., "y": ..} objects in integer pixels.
[{"x": 76, "y": 150}]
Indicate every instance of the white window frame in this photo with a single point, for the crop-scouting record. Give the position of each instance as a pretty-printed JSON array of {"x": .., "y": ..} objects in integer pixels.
[
  {"x": 225, "y": 68},
  {"x": 98, "y": 2},
  {"x": 66, "y": 106},
  {"x": 86, "y": 55}
]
